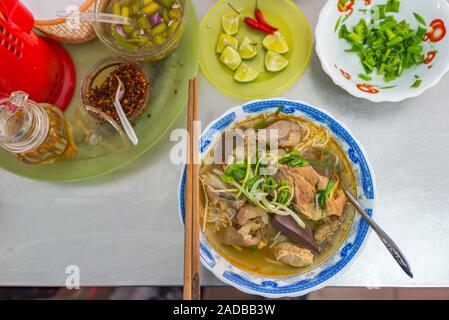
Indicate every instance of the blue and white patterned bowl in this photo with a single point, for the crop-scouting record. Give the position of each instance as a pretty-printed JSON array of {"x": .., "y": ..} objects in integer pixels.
[{"x": 319, "y": 276}]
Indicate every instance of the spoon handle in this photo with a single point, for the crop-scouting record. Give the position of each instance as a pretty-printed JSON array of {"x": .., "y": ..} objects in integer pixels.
[
  {"x": 125, "y": 122},
  {"x": 386, "y": 240},
  {"x": 95, "y": 16}
]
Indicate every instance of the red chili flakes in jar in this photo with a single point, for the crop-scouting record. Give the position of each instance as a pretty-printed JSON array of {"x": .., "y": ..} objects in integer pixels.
[{"x": 137, "y": 88}]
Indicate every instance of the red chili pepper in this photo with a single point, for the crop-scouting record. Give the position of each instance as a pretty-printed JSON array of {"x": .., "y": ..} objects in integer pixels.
[
  {"x": 345, "y": 74},
  {"x": 257, "y": 25},
  {"x": 365, "y": 87},
  {"x": 437, "y": 22},
  {"x": 430, "y": 56},
  {"x": 250, "y": 22},
  {"x": 438, "y": 31},
  {"x": 349, "y": 12},
  {"x": 344, "y": 6},
  {"x": 261, "y": 18}
]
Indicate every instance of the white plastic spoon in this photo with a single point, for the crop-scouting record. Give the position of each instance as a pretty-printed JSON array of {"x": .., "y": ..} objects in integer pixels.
[{"x": 118, "y": 106}]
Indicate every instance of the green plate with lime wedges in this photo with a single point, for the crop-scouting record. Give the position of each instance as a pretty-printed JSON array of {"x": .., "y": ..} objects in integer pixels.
[
  {"x": 281, "y": 14},
  {"x": 169, "y": 93}
]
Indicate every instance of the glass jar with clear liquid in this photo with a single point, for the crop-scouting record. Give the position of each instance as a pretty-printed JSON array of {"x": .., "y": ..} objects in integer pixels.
[{"x": 34, "y": 133}]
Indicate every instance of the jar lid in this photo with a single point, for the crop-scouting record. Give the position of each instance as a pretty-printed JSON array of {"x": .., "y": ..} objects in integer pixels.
[
  {"x": 15, "y": 101},
  {"x": 10, "y": 123}
]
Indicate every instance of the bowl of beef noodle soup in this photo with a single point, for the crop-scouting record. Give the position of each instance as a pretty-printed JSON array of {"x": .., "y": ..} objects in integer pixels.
[{"x": 275, "y": 219}]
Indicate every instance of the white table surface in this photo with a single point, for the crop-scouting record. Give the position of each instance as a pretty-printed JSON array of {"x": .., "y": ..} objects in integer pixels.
[{"x": 123, "y": 229}]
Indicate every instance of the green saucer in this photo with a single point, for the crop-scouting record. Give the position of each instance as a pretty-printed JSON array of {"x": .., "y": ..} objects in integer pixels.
[{"x": 283, "y": 14}]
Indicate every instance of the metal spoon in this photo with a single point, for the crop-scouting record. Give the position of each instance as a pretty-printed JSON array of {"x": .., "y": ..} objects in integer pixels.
[
  {"x": 118, "y": 106},
  {"x": 389, "y": 244}
]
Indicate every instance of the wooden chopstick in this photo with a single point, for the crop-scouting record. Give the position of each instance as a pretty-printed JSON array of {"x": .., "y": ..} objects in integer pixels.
[
  {"x": 191, "y": 201},
  {"x": 196, "y": 223},
  {"x": 188, "y": 204}
]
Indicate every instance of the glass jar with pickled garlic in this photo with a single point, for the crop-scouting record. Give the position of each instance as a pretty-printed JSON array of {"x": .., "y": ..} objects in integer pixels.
[{"x": 34, "y": 133}]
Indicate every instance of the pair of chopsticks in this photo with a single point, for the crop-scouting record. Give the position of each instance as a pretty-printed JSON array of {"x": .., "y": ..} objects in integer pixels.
[{"x": 192, "y": 203}]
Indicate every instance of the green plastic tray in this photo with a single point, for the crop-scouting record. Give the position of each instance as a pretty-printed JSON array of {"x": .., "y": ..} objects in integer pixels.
[{"x": 169, "y": 96}]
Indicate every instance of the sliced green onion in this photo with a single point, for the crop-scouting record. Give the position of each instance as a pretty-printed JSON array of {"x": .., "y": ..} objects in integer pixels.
[
  {"x": 279, "y": 110},
  {"x": 337, "y": 24},
  {"x": 420, "y": 19},
  {"x": 392, "y": 6},
  {"x": 417, "y": 83},
  {"x": 247, "y": 174},
  {"x": 386, "y": 46},
  {"x": 365, "y": 77},
  {"x": 263, "y": 123}
]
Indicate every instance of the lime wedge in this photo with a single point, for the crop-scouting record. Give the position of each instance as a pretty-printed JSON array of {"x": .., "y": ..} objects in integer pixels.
[
  {"x": 245, "y": 73},
  {"x": 247, "y": 49},
  {"x": 231, "y": 58},
  {"x": 276, "y": 43},
  {"x": 230, "y": 23},
  {"x": 226, "y": 41},
  {"x": 274, "y": 62}
]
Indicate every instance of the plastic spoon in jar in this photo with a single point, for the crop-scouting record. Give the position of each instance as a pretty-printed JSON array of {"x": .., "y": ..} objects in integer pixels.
[
  {"x": 387, "y": 241},
  {"x": 118, "y": 106},
  {"x": 94, "y": 16}
]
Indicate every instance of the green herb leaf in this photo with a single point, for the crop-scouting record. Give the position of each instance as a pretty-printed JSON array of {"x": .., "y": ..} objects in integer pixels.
[
  {"x": 324, "y": 194},
  {"x": 252, "y": 181},
  {"x": 236, "y": 171},
  {"x": 269, "y": 184},
  {"x": 227, "y": 179},
  {"x": 294, "y": 159}
]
